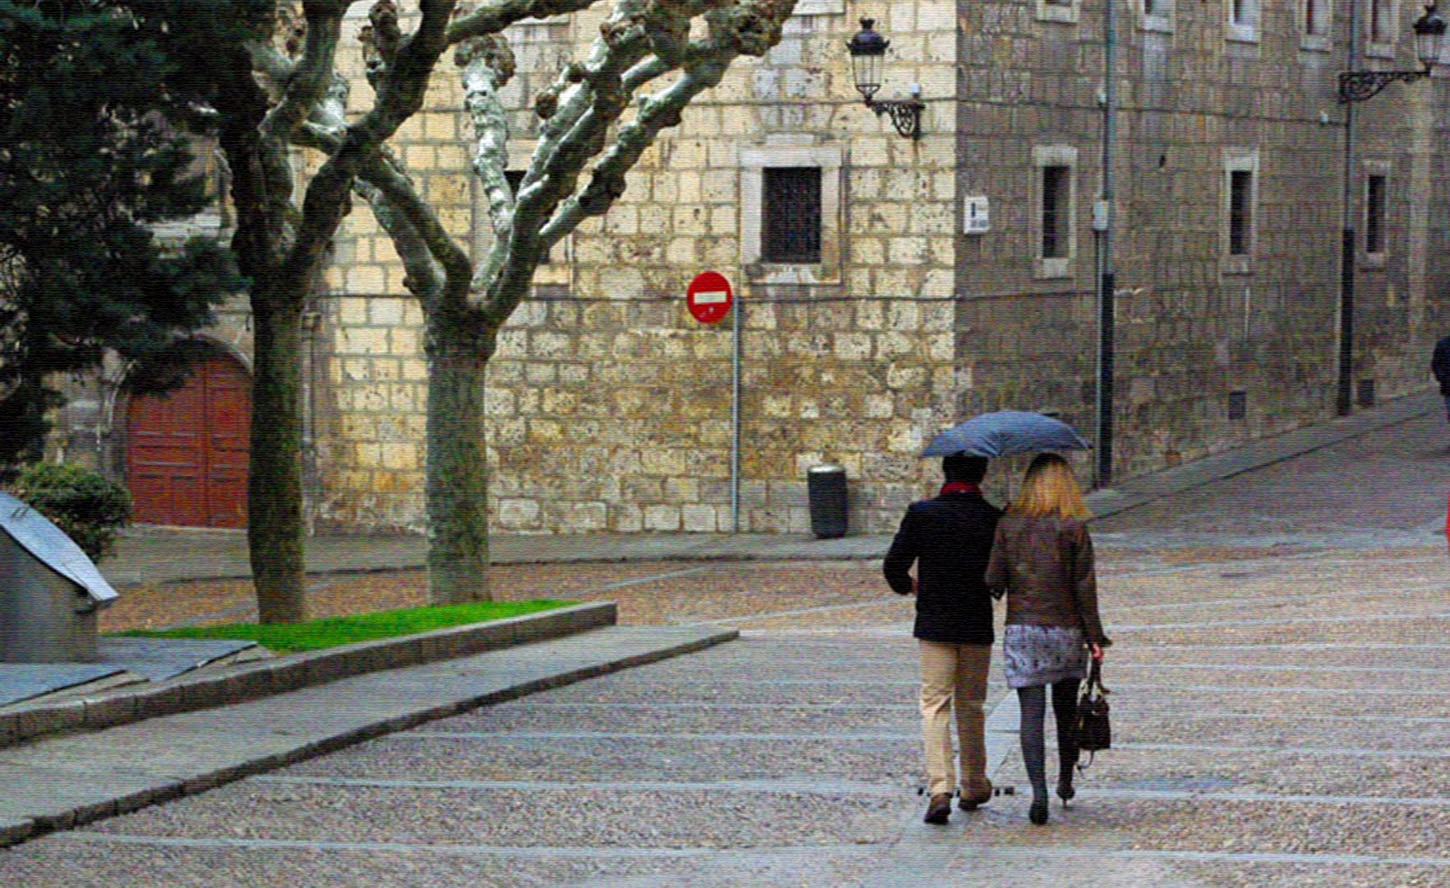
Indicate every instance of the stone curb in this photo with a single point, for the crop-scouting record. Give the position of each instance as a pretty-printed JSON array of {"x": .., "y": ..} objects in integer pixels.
[
  {"x": 1255, "y": 455},
  {"x": 263, "y": 678},
  {"x": 165, "y": 789}
]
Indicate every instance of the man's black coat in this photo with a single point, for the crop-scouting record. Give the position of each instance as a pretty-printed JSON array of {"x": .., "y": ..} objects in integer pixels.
[
  {"x": 950, "y": 538},
  {"x": 1440, "y": 365}
]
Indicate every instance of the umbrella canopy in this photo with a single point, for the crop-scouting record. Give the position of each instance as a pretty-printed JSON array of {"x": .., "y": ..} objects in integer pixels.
[{"x": 1004, "y": 433}]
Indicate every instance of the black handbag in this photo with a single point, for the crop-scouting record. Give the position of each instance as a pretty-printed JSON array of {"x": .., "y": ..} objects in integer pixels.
[{"x": 1094, "y": 732}]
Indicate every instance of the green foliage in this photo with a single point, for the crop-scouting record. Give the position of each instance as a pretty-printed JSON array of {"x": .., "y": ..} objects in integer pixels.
[
  {"x": 95, "y": 152},
  {"x": 90, "y": 508},
  {"x": 316, "y": 634}
]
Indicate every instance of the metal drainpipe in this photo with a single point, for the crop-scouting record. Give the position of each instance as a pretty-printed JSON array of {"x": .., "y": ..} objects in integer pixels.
[
  {"x": 1344, "y": 396},
  {"x": 1103, "y": 226}
]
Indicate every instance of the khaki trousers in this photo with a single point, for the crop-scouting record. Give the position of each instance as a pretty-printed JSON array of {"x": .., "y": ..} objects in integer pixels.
[{"x": 954, "y": 675}]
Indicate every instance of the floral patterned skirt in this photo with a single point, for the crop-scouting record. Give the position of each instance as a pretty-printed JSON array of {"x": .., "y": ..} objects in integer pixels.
[{"x": 1042, "y": 655}]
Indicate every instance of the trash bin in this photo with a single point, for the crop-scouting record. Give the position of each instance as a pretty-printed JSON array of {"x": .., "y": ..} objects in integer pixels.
[{"x": 826, "y": 486}]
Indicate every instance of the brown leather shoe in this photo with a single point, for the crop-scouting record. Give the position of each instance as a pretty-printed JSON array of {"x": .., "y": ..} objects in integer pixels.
[
  {"x": 939, "y": 809},
  {"x": 972, "y": 803}
]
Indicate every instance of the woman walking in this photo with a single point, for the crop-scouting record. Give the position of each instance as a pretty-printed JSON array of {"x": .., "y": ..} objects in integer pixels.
[{"x": 1042, "y": 559}]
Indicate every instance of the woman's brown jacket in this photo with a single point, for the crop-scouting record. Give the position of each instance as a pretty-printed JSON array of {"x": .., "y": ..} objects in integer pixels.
[{"x": 1047, "y": 566}]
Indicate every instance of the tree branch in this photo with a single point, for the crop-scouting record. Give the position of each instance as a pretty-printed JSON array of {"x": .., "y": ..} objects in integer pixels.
[
  {"x": 400, "y": 94},
  {"x": 423, "y": 244},
  {"x": 494, "y": 17},
  {"x": 740, "y": 28},
  {"x": 488, "y": 64},
  {"x": 573, "y": 134},
  {"x": 312, "y": 73}
]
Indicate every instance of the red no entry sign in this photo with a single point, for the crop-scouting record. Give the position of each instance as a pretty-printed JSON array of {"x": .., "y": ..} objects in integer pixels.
[{"x": 709, "y": 297}]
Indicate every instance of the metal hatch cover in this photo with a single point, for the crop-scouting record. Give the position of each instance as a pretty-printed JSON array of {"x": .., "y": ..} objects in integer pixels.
[{"x": 48, "y": 543}]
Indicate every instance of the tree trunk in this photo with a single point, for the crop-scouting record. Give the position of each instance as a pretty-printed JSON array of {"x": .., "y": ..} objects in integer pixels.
[
  {"x": 274, "y": 483},
  {"x": 457, "y": 467}
]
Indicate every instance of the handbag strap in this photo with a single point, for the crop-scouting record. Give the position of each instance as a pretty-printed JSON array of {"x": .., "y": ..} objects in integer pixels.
[{"x": 1095, "y": 678}]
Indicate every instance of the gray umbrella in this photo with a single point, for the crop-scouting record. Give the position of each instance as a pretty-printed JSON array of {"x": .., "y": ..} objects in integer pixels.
[{"x": 1004, "y": 433}]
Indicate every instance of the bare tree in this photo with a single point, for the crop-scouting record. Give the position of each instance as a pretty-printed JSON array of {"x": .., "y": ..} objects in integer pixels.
[
  {"x": 593, "y": 119},
  {"x": 267, "y": 75}
]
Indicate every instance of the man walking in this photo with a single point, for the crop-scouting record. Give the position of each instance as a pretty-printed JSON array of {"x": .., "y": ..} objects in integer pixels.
[
  {"x": 1440, "y": 366},
  {"x": 949, "y": 538}
]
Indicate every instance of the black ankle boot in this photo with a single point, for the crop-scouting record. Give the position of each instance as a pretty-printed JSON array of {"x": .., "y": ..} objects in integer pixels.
[
  {"x": 1065, "y": 790},
  {"x": 1038, "y": 812}
]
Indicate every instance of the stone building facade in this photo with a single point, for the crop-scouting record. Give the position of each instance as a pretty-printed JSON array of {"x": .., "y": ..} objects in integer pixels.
[{"x": 609, "y": 406}]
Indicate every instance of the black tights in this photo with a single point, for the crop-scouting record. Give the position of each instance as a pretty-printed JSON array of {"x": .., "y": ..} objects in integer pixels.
[{"x": 1033, "y": 702}]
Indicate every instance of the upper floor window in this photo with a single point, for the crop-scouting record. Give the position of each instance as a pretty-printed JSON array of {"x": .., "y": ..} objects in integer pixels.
[
  {"x": 1381, "y": 28},
  {"x": 1156, "y": 15},
  {"x": 1243, "y": 20},
  {"x": 1317, "y": 21},
  {"x": 1058, "y": 10}
]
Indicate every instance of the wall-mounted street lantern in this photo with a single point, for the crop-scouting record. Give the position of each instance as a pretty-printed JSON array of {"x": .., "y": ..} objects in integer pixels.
[
  {"x": 868, "y": 51},
  {"x": 1356, "y": 86}
]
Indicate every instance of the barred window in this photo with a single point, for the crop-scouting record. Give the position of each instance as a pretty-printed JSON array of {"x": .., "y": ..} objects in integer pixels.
[
  {"x": 1374, "y": 212},
  {"x": 791, "y": 215},
  {"x": 1240, "y": 212},
  {"x": 1056, "y": 201}
]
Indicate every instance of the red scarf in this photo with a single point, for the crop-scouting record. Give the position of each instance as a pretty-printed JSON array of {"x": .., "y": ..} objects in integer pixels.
[{"x": 959, "y": 487}]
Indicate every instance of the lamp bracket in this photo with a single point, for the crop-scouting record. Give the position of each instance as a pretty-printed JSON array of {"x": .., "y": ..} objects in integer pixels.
[
  {"x": 905, "y": 116},
  {"x": 1356, "y": 86}
]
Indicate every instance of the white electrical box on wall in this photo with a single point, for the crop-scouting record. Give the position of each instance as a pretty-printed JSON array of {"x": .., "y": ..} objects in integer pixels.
[{"x": 976, "y": 217}]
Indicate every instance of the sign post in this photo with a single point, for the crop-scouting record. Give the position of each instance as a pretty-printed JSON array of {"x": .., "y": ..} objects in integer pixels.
[{"x": 709, "y": 298}]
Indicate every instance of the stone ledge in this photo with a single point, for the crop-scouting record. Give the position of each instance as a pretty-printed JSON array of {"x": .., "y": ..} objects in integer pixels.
[{"x": 261, "y": 678}]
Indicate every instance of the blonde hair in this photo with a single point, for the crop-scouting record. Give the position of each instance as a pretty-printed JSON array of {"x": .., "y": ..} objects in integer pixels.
[{"x": 1049, "y": 489}]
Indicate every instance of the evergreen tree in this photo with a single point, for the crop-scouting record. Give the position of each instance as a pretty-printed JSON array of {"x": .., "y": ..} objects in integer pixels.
[{"x": 96, "y": 131}]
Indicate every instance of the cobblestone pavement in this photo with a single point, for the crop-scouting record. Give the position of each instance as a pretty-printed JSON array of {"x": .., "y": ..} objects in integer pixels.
[{"x": 1281, "y": 702}]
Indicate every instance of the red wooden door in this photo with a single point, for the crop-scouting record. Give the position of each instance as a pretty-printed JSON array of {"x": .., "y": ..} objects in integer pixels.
[{"x": 186, "y": 452}]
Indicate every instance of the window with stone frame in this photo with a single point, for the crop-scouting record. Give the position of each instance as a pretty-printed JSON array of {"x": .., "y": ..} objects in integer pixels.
[
  {"x": 1065, "y": 11},
  {"x": 1243, "y": 20},
  {"x": 1380, "y": 21},
  {"x": 1054, "y": 199},
  {"x": 791, "y": 215},
  {"x": 1156, "y": 15},
  {"x": 757, "y": 162},
  {"x": 1316, "y": 24},
  {"x": 1381, "y": 28}
]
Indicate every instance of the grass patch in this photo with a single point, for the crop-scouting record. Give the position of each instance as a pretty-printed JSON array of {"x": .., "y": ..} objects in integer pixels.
[{"x": 333, "y": 631}]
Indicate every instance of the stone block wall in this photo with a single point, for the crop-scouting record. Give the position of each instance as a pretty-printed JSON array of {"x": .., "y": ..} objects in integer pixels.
[
  {"x": 608, "y": 405},
  {"x": 1193, "y": 324}
]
